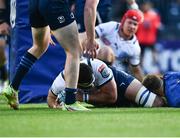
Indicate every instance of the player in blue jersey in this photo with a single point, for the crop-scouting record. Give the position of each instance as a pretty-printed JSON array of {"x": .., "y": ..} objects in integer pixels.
[
  {"x": 167, "y": 86},
  {"x": 54, "y": 15}
]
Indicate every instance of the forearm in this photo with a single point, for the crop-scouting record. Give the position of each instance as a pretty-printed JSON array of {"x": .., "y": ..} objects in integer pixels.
[
  {"x": 90, "y": 18},
  {"x": 139, "y": 76},
  {"x": 138, "y": 73},
  {"x": 97, "y": 98}
]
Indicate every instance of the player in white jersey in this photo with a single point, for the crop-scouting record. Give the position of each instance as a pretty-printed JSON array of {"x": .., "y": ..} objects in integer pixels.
[
  {"x": 97, "y": 86},
  {"x": 97, "y": 77},
  {"x": 122, "y": 39}
]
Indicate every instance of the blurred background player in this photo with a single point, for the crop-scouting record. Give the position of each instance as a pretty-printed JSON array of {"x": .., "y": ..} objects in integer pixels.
[
  {"x": 97, "y": 86},
  {"x": 122, "y": 39},
  {"x": 147, "y": 35},
  {"x": 167, "y": 86},
  {"x": 63, "y": 26},
  {"x": 119, "y": 7},
  {"x": 4, "y": 34}
]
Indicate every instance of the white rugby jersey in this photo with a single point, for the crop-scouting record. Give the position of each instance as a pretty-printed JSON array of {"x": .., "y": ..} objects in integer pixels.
[
  {"x": 101, "y": 71},
  {"x": 126, "y": 51}
]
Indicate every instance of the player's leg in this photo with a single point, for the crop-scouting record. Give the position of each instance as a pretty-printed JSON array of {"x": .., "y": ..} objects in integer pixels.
[
  {"x": 64, "y": 28},
  {"x": 40, "y": 33},
  {"x": 68, "y": 38},
  {"x": 139, "y": 94},
  {"x": 40, "y": 44}
]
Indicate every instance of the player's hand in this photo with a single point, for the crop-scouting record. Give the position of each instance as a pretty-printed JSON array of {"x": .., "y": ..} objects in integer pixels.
[
  {"x": 4, "y": 29},
  {"x": 58, "y": 104},
  {"x": 90, "y": 48}
]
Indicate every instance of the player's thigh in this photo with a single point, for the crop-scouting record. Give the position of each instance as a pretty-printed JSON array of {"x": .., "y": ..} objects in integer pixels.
[
  {"x": 68, "y": 37},
  {"x": 62, "y": 23},
  {"x": 36, "y": 18},
  {"x": 40, "y": 31},
  {"x": 56, "y": 13}
]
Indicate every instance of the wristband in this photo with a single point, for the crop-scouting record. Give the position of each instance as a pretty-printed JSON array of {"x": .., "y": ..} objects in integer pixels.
[{"x": 85, "y": 97}]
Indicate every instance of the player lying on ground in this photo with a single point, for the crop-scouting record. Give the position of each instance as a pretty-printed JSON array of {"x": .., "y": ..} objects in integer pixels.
[
  {"x": 97, "y": 86},
  {"x": 167, "y": 86}
]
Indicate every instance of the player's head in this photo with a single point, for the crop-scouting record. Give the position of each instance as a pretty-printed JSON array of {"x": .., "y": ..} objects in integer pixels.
[
  {"x": 86, "y": 77},
  {"x": 130, "y": 21},
  {"x": 154, "y": 83},
  {"x": 106, "y": 55}
]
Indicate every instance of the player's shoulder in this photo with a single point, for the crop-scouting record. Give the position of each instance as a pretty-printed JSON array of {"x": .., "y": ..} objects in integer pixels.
[
  {"x": 114, "y": 25},
  {"x": 97, "y": 63},
  {"x": 91, "y": 62},
  {"x": 111, "y": 25}
]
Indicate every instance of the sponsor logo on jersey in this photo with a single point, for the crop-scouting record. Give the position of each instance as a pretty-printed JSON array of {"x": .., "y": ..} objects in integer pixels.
[
  {"x": 72, "y": 15},
  {"x": 104, "y": 71},
  {"x": 122, "y": 84},
  {"x": 61, "y": 19}
]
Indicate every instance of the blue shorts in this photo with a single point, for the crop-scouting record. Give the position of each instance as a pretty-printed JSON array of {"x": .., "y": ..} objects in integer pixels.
[
  {"x": 55, "y": 13},
  {"x": 123, "y": 80}
]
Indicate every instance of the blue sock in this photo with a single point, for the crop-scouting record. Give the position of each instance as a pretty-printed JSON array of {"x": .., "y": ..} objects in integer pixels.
[
  {"x": 24, "y": 66},
  {"x": 70, "y": 95}
]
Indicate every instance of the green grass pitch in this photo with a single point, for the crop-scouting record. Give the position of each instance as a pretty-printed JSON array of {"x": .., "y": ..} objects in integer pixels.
[{"x": 34, "y": 120}]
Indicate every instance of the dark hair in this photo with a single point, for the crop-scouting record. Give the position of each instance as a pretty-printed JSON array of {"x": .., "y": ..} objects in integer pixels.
[
  {"x": 85, "y": 74},
  {"x": 152, "y": 82}
]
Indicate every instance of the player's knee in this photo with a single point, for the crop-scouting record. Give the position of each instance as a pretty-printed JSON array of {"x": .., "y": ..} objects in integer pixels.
[
  {"x": 37, "y": 50},
  {"x": 145, "y": 98}
]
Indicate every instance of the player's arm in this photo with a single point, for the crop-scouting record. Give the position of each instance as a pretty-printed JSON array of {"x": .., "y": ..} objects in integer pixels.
[
  {"x": 132, "y": 4},
  {"x": 89, "y": 22},
  {"x": 105, "y": 95},
  {"x": 137, "y": 72},
  {"x": 90, "y": 18},
  {"x": 135, "y": 65}
]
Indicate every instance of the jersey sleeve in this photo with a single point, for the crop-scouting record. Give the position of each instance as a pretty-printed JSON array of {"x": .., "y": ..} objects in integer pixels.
[
  {"x": 102, "y": 72},
  {"x": 58, "y": 84},
  {"x": 105, "y": 28}
]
